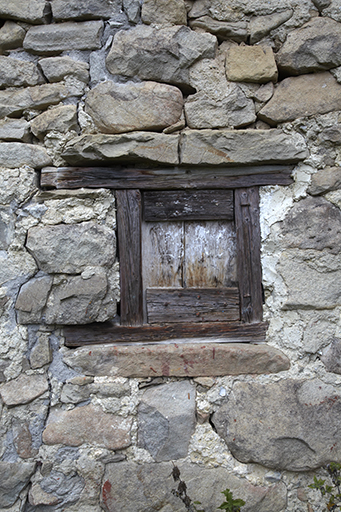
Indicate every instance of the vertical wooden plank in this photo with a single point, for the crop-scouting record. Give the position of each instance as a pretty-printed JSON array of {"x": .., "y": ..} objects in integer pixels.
[
  {"x": 210, "y": 254},
  {"x": 248, "y": 253},
  {"x": 129, "y": 212}
]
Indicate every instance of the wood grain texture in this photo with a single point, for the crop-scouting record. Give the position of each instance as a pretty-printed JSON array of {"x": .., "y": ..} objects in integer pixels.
[
  {"x": 129, "y": 211},
  {"x": 192, "y": 305},
  {"x": 119, "y": 177},
  {"x": 210, "y": 254},
  {"x": 248, "y": 254},
  {"x": 76, "y": 336},
  {"x": 187, "y": 205}
]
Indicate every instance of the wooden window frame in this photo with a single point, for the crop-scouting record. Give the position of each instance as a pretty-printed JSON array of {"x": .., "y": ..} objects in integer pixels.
[{"x": 129, "y": 183}]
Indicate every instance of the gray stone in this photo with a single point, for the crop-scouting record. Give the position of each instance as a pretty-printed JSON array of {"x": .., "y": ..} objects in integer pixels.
[
  {"x": 32, "y": 299},
  {"x": 314, "y": 47},
  {"x": 236, "y": 31},
  {"x": 164, "y": 12},
  {"x": 59, "y": 37},
  {"x": 16, "y": 154},
  {"x": 137, "y": 487},
  {"x": 37, "y": 496},
  {"x": 287, "y": 425},
  {"x": 117, "y": 108},
  {"x": 14, "y": 476},
  {"x": 11, "y": 36},
  {"x": 322, "y": 4},
  {"x": 261, "y": 26},
  {"x": 167, "y": 420},
  {"x": 22, "y": 440},
  {"x": 313, "y": 223},
  {"x": 130, "y": 147},
  {"x": 163, "y": 55},
  {"x": 76, "y": 300},
  {"x": 57, "y": 68},
  {"x": 6, "y": 227},
  {"x": 14, "y": 102},
  {"x": 325, "y": 180},
  {"x": 170, "y": 360},
  {"x": 70, "y": 249},
  {"x": 67, "y": 488},
  {"x": 132, "y": 9},
  {"x": 59, "y": 119},
  {"x": 88, "y": 424},
  {"x": 251, "y": 64},
  {"x": 18, "y": 73},
  {"x": 229, "y": 147},
  {"x": 14, "y": 130},
  {"x": 73, "y": 393},
  {"x": 83, "y": 9},
  {"x": 264, "y": 93},
  {"x": 32, "y": 11},
  {"x": 23, "y": 389},
  {"x": 302, "y": 96},
  {"x": 41, "y": 353},
  {"x": 331, "y": 357},
  {"x": 331, "y": 134}
]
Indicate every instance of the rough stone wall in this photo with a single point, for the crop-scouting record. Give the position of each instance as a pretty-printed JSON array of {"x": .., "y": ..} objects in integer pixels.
[{"x": 202, "y": 82}]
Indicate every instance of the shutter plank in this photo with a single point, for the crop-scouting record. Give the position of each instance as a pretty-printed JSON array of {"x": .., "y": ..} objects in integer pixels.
[{"x": 192, "y": 305}]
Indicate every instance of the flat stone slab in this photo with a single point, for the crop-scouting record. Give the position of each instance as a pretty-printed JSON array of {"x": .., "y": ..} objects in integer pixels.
[
  {"x": 32, "y": 11},
  {"x": 17, "y": 154},
  {"x": 14, "y": 476},
  {"x": 237, "y": 31},
  {"x": 87, "y": 424},
  {"x": 83, "y": 9},
  {"x": 231, "y": 147},
  {"x": 251, "y": 64},
  {"x": 129, "y": 147},
  {"x": 23, "y": 389},
  {"x": 118, "y": 108},
  {"x": 136, "y": 487},
  {"x": 302, "y": 96},
  {"x": 57, "y": 68},
  {"x": 178, "y": 360},
  {"x": 325, "y": 180},
  {"x": 169, "y": 12},
  {"x": 288, "y": 425}
]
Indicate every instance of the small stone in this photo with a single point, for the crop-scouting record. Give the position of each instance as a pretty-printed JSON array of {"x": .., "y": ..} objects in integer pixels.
[
  {"x": 132, "y": 9},
  {"x": 301, "y": 494},
  {"x": 11, "y": 36},
  {"x": 23, "y": 389},
  {"x": 301, "y": 415},
  {"x": 80, "y": 380},
  {"x": 331, "y": 357},
  {"x": 22, "y": 440},
  {"x": 180, "y": 125},
  {"x": 232, "y": 147},
  {"x": 16, "y": 154},
  {"x": 83, "y": 9},
  {"x": 332, "y": 134},
  {"x": 32, "y": 11},
  {"x": 14, "y": 130},
  {"x": 322, "y": 4},
  {"x": 261, "y": 26},
  {"x": 302, "y": 96},
  {"x": 18, "y": 73},
  {"x": 32, "y": 299},
  {"x": 206, "y": 382},
  {"x": 37, "y": 496},
  {"x": 164, "y": 12},
  {"x": 14, "y": 102},
  {"x": 251, "y": 64},
  {"x": 167, "y": 420},
  {"x": 236, "y": 31},
  {"x": 59, "y": 119},
  {"x": 59, "y": 37},
  {"x": 87, "y": 424},
  {"x": 74, "y": 394},
  {"x": 70, "y": 249},
  {"x": 264, "y": 93},
  {"x": 57, "y": 68},
  {"x": 130, "y": 147},
  {"x": 163, "y": 55},
  {"x": 14, "y": 476},
  {"x": 170, "y": 360},
  {"x": 325, "y": 180},
  {"x": 41, "y": 354},
  {"x": 117, "y": 108},
  {"x": 314, "y": 47}
]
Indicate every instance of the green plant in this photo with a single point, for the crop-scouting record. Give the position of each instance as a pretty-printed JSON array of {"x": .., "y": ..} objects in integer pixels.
[
  {"x": 231, "y": 505},
  {"x": 332, "y": 492}
]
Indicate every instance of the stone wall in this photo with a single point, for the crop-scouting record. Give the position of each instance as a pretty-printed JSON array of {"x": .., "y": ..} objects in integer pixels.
[{"x": 206, "y": 83}]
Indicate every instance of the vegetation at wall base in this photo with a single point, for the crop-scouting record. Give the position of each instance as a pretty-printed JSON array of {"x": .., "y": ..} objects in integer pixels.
[{"x": 330, "y": 492}]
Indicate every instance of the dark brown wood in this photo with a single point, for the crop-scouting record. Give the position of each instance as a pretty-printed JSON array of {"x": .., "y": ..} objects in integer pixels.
[
  {"x": 166, "y": 305},
  {"x": 187, "y": 205},
  {"x": 165, "y": 179},
  {"x": 129, "y": 213},
  {"x": 248, "y": 253},
  {"x": 238, "y": 332}
]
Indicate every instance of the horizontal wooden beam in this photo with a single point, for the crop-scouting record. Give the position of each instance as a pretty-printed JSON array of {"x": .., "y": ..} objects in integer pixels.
[
  {"x": 165, "y": 178},
  {"x": 109, "y": 332},
  {"x": 192, "y": 305},
  {"x": 188, "y": 205}
]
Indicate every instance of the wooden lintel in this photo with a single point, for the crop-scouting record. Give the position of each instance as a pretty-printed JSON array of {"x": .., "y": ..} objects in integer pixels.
[
  {"x": 175, "y": 178},
  {"x": 76, "y": 336}
]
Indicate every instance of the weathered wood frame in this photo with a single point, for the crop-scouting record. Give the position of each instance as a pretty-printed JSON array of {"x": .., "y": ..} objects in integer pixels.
[{"x": 128, "y": 183}]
